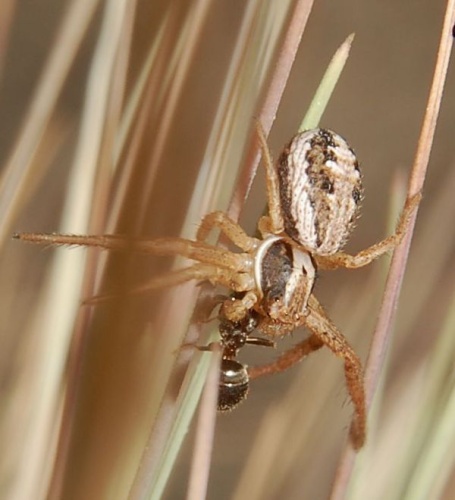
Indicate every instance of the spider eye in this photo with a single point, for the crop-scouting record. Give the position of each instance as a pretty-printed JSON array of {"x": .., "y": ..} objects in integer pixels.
[{"x": 234, "y": 384}]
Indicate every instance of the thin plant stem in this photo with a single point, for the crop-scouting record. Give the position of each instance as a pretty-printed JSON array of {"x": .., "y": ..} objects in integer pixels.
[
  {"x": 382, "y": 334},
  {"x": 274, "y": 93},
  {"x": 205, "y": 430},
  {"x": 261, "y": 469},
  {"x": 117, "y": 27},
  {"x": 327, "y": 86},
  {"x": 68, "y": 40},
  {"x": 171, "y": 424}
]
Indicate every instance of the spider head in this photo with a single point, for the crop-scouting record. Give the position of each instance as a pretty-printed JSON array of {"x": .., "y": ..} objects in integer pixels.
[{"x": 233, "y": 386}]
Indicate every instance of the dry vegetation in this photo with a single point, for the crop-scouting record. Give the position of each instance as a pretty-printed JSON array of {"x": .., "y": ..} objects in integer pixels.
[{"x": 137, "y": 118}]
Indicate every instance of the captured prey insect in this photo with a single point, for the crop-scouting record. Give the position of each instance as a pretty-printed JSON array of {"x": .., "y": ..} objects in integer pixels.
[
  {"x": 234, "y": 377},
  {"x": 313, "y": 193}
]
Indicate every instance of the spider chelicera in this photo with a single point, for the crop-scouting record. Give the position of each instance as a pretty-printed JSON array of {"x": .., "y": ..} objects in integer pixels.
[{"x": 313, "y": 195}]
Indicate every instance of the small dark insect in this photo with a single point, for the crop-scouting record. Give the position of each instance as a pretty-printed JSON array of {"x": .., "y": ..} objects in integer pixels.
[{"x": 234, "y": 376}]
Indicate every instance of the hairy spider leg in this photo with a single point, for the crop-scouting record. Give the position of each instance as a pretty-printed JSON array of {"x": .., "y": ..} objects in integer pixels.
[
  {"x": 229, "y": 228},
  {"x": 232, "y": 270},
  {"x": 237, "y": 281},
  {"x": 325, "y": 333},
  {"x": 318, "y": 322},
  {"x": 365, "y": 257},
  {"x": 273, "y": 223},
  {"x": 288, "y": 358},
  {"x": 195, "y": 250}
]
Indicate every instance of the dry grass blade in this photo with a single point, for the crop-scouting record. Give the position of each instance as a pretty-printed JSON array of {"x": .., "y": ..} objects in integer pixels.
[
  {"x": 50, "y": 321},
  {"x": 6, "y": 16},
  {"x": 279, "y": 77},
  {"x": 226, "y": 130},
  {"x": 59, "y": 62},
  {"x": 99, "y": 123},
  {"x": 266, "y": 116},
  {"x": 262, "y": 474},
  {"x": 431, "y": 449},
  {"x": 141, "y": 121},
  {"x": 205, "y": 431},
  {"x": 387, "y": 314}
]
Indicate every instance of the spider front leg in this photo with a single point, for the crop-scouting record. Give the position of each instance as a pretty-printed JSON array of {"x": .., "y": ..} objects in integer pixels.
[
  {"x": 365, "y": 257},
  {"x": 323, "y": 328},
  {"x": 195, "y": 250},
  {"x": 229, "y": 228},
  {"x": 217, "y": 265}
]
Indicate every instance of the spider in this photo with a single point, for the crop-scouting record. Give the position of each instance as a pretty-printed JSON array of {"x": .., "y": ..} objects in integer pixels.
[{"x": 313, "y": 195}]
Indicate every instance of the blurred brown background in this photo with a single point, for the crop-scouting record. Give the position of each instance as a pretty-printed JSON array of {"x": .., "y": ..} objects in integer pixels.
[{"x": 378, "y": 106}]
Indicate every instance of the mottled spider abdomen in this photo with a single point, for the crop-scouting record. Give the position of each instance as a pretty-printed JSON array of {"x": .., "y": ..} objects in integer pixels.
[{"x": 320, "y": 190}]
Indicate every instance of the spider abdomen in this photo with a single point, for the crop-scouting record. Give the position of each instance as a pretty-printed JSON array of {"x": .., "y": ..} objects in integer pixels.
[{"x": 320, "y": 190}]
